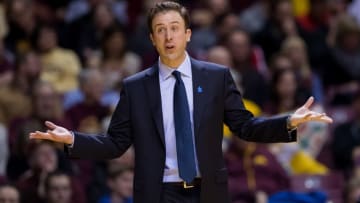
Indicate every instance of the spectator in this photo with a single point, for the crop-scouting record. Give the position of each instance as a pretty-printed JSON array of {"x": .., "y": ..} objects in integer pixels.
[
  {"x": 203, "y": 35},
  {"x": 22, "y": 26},
  {"x": 109, "y": 97},
  {"x": 140, "y": 42},
  {"x": 217, "y": 7},
  {"x": 284, "y": 98},
  {"x": 87, "y": 115},
  {"x": 206, "y": 36},
  {"x": 52, "y": 12},
  {"x": 240, "y": 47},
  {"x": 87, "y": 31},
  {"x": 253, "y": 19},
  {"x": 253, "y": 170},
  {"x": 98, "y": 186},
  {"x": 313, "y": 28},
  {"x": 58, "y": 188},
  {"x": 46, "y": 104},
  {"x": 120, "y": 183},
  {"x": 281, "y": 24},
  {"x": 117, "y": 61},
  {"x": 224, "y": 25},
  {"x": 60, "y": 66},
  {"x": 346, "y": 51},
  {"x": 295, "y": 48},
  {"x": 221, "y": 55},
  {"x": 43, "y": 160},
  {"x": 346, "y": 142},
  {"x": 9, "y": 194},
  {"x": 15, "y": 101},
  {"x": 284, "y": 95}
]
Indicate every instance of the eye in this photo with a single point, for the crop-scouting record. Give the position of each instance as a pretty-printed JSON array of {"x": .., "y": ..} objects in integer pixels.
[
  {"x": 174, "y": 28},
  {"x": 160, "y": 30}
]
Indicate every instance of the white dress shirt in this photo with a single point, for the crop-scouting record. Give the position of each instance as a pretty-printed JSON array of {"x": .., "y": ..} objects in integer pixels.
[{"x": 167, "y": 84}]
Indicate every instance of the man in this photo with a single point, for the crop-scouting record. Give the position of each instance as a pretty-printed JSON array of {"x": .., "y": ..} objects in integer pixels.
[
  {"x": 58, "y": 188},
  {"x": 9, "y": 194},
  {"x": 178, "y": 157},
  {"x": 120, "y": 183}
]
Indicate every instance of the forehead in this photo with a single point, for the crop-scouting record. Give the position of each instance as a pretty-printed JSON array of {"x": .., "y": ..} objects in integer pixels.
[
  {"x": 60, "y": 179},
  {"x": 167, "y": 17},
  {"x": 8, "y": 192}
]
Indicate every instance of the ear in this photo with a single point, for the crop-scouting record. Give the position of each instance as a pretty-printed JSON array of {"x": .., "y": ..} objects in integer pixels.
[
  {"x": 188, "y": 35},
  {"x": 152, "y": 38}
]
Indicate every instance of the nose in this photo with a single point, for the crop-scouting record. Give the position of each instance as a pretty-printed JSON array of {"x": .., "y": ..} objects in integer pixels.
[{"x": 168, "y": 35}]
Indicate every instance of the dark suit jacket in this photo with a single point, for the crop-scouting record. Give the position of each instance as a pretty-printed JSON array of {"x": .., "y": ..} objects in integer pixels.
[{"x": 138, "y": 119}]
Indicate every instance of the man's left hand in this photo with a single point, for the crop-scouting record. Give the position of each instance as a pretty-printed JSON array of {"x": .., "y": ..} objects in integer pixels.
[{"x": 304, "y": 114}]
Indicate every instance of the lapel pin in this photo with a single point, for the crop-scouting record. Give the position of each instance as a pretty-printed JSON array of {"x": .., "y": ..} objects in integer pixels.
[{"x": 199, "y": 89}]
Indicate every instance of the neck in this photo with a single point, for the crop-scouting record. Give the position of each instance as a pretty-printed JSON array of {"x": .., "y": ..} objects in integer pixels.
[{"x": 173, "y": 63}]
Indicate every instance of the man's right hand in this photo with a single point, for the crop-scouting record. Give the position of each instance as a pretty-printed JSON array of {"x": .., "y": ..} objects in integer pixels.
[{"x": 55, "y": 133}]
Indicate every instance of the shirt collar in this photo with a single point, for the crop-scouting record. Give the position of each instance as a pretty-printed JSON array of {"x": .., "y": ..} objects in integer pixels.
[{"x": 184, "y": 68}]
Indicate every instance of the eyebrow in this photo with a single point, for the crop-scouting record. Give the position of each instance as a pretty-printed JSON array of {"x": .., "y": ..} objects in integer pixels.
[{"x": 173, "y": 22}]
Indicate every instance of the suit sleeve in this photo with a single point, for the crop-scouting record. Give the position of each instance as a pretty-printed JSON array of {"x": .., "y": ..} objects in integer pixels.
[
  {"x": 245, "y": 125},
  {"x": 112, "y": 145}
]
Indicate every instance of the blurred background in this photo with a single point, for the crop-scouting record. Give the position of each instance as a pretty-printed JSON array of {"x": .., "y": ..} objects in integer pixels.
[{"x": 64, "y": 61}]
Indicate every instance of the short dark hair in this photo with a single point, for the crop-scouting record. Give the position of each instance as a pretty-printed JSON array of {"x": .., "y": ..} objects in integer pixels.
[
  {"x": 53, "y": 174},
  {"x": 168, "y": 6},
  {"x": 115, "y": 171}
]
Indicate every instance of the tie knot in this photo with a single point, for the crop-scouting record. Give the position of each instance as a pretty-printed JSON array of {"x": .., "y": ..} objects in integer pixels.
[{"x": 177, "y": 75}]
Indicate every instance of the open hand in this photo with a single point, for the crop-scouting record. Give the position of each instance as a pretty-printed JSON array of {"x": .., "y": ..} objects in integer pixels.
[
  {"x": 304, "y": 114},
  {"x": 55, "y": 133}
]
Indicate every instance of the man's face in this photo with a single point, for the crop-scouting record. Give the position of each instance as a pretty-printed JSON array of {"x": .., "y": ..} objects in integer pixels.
[
  {"x": 239, "y": 46},
  {"x": 44, "y": 158},
  {"x": 59, "y": 189},
  {"x": 170, "y": 36},
  {"x": 9, "y": 195},
  {"x": 45, "y": 102},
  {"x": 123, "y": 184}
]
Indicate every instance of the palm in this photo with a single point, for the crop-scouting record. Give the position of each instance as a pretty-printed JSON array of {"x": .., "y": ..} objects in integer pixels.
[
  {"x": 55, "y": 133},
  {"x": 304, "y": 114}
]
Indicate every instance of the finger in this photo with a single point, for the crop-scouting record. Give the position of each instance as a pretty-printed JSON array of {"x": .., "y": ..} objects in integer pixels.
[
  {"x": 50, "y": 125},
  {"x": 325, "y": 119},
  {"x": 321, "y": 118},
  {"x": 309, "y": 102},
  {"x": 40, "y": 135}
]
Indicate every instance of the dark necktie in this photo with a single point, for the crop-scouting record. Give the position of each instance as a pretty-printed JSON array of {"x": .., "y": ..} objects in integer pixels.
[{"x": 183, "y": 132}]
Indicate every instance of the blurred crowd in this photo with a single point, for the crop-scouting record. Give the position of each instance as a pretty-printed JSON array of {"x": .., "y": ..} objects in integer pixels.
[{"x": 64, "y": 61}]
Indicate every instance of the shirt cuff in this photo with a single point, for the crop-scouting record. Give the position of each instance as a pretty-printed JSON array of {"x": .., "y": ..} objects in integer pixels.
[
  {"x": 289, "y": 127},
  {"x": 73, "y": 140}
]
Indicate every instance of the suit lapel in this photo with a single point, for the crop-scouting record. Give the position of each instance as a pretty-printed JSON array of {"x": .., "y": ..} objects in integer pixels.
[
  {"x": 200, "y": 92},
  {"x": 152, "y": 87}
]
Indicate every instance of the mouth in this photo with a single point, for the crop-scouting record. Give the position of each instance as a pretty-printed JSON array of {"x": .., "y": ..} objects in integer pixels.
[{"x": 169, "y": 47}]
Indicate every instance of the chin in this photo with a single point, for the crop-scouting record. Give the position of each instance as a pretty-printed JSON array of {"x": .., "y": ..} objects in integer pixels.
[{"x": 173, "y": 56}]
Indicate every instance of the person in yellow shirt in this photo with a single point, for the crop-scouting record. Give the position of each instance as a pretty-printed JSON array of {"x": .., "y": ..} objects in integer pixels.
[{"x": 61, "y": 67}]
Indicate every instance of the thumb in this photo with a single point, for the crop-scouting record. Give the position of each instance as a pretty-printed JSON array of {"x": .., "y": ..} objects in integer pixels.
[
  {"x": 50, "y": 125},
  {"x": 309, "y": 102}
]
